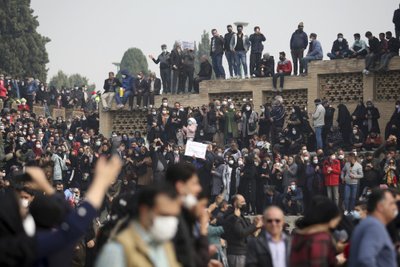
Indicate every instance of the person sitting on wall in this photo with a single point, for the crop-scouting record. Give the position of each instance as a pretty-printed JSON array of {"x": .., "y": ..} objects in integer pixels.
[
  {"x": 393, "y": 46},
  {"x": 340, "y": 48},
  {"x": 283, "y": 69},
  {"x": 204, "y": 74},
  {"x": 374, "y": 55},
  {"x": 314, "y": 52},
  {"x": 359, "y": 47},
  {"x": 266, "y": 66}
]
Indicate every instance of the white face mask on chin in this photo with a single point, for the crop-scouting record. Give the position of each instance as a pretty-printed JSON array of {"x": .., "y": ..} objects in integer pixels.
[
  {"x": 29, "y": 225},
  {"x": 164, "y": 228},
  {"x": 189, "y": 201}
]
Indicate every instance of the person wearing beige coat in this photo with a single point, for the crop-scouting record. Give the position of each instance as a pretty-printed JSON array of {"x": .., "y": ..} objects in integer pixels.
[{"x": 146, "y": 241}]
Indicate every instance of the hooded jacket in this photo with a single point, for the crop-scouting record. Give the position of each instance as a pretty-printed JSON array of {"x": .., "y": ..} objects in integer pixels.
[{"x": 128, "y": 82}]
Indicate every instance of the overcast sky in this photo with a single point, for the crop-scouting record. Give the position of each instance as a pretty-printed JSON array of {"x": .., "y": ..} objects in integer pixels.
[{"x": 88, "y": 35}]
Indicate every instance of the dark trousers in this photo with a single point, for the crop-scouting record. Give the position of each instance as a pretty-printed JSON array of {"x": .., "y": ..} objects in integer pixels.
[
  {"x": 186, "y": 74},
  {"x": 29, "y": 100},
  {"x": 151, "y": 98},
  {"x": 297, "y": 56},
  {"x": 254, "y": 62},
  {"x": 230, "y": 57},
  {"x": 217, "y": 66},
  {"x": 385, "y": 59},
  {"x": 166, "y": 79},
  {"x": 145, "y": 97},
  {"x": 280, "y": 75},
  {"x": 196, "y": 85},
  {"x": 175, "y": 81},
  {"x": 397, "y": 33},
  {"x": 138, "y": 96},
  {"x": 370, "y": 60},
  {"x": 275, "y": 130}
]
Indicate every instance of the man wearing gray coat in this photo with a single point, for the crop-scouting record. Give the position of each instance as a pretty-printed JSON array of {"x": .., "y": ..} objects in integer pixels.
[{"x": 352, "y": 172}]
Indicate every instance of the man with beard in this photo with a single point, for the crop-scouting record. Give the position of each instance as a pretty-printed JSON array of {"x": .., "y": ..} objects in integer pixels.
[
  {"x": 237, "y": 230},
  {"x": 216, "y": 53},
  {"x": 229, "y": 54},
  {"x": 240, "y": 45}
]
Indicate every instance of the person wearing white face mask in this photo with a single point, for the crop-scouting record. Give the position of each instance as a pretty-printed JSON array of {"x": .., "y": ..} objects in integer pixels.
[
  {"x": 249, "y": 124},
  {"x": 148, "y": 236},
  {"x": 340, "y": 48},
  {"x": 331, "y": 170},
  {"x": 190, "y": 247},
  {"x": 293, "y": 199},
  {"x": 165, "y": 68}
]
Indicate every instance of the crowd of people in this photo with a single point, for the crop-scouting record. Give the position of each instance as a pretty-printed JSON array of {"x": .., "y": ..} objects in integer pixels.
[
  {"x": 273, "y": 163},
  {"x": 71, "y": 196}
]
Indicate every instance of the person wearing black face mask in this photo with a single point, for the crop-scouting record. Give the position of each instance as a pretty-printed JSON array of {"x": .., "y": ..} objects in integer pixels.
[
  {"x": 283, "y": 69},
  {"x": 229, "y": 54},
  {"x": 237, "y": 229}
]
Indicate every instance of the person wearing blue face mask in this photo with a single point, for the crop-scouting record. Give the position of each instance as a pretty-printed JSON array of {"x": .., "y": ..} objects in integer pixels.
[{"x": 360, "y": 211}]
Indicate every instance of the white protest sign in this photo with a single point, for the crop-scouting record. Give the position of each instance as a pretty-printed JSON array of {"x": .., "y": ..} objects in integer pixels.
[
  {"x": 187, "y": 45},
  {"x": 196, "y": 149}
]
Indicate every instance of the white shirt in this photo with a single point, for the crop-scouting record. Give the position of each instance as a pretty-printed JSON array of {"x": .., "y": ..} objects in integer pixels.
[{"x": 278, "y": 251}]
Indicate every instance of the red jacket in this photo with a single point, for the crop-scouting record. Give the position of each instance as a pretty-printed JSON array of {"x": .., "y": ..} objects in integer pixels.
[
  {"x": 3, "y": 89},
  {"x": 332, "y": 178},
  {"x": 285, "y": 66}
]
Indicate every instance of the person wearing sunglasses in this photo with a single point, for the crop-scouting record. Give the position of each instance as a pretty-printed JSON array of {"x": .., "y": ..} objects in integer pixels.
[{"x": 271, "y": 247}]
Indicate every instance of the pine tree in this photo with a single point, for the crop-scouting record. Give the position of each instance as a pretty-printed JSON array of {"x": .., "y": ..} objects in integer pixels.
[
  {"x": 60, "y": 80},
  {"x": 23, "y": 49},
  {"x": 134, "y": 61}
]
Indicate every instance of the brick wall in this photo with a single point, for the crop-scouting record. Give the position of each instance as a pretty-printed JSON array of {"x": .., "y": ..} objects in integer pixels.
[{"x": 340, "y": 81}]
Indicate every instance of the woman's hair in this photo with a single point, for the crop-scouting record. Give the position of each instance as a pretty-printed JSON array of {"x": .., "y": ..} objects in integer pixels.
[{"x": 321, "y": 210}]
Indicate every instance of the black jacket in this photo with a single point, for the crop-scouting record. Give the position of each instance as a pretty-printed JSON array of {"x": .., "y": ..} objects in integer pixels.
[
  {"x": 256, "y": 42},
  {"x": 237, "y": 231},
  {"x": 218, "y": 46},
  {"x": 340, "y": 47},
  {"x": 205, "y": 70},
  {"x": 190, "y": 251},
  {"x": 157, "y": 85},
  {"x": 142, "y": 85},
  {"x": 259, "y": 253},
  {"x": 176, "y": 59},
  {"x": 396, "y": 19},
  {"x": 393, "y": 45},
  {"x": 375, "y": 46}
]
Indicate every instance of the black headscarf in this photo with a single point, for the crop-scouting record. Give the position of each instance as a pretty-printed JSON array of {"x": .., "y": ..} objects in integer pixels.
[{"x": 16, "y": 248}]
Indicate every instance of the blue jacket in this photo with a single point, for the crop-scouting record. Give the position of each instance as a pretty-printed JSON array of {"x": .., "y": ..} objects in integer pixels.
[
  {"x": 315, "y": 49},
  {"x": 31, "y": 88},
  {"x": 371, "y": 245},
  {"x": 128, "y": 82}
]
